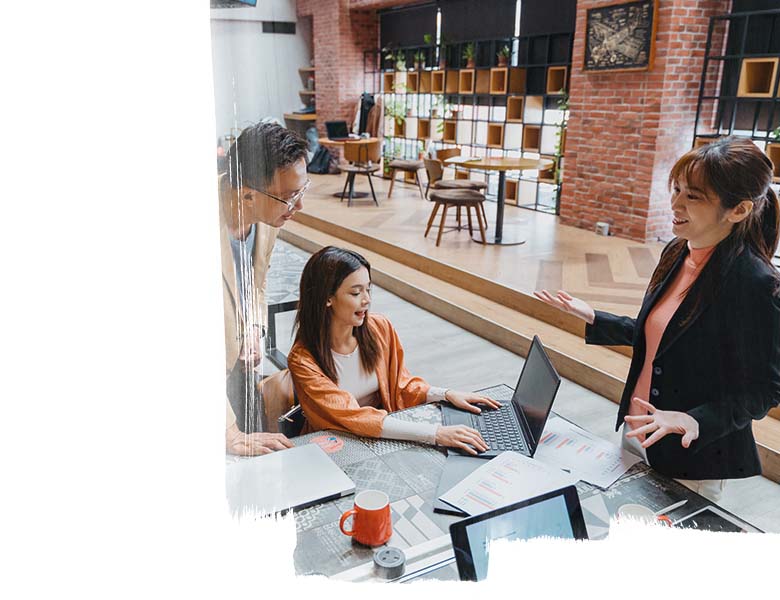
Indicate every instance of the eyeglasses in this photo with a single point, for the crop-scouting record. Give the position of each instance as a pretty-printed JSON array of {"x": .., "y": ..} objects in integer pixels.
[{"x": 292, "y": 200}]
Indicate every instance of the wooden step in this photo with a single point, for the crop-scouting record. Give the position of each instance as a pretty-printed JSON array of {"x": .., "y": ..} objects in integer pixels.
[{"x": 596, "y": 368}]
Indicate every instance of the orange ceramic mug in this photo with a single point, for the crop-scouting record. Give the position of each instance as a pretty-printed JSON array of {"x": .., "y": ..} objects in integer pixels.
[{"x": 372, "y": 524}]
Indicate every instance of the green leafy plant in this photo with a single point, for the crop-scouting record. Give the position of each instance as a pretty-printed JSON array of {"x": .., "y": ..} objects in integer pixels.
[
  {"x": 504, "y": 52},
  {"x": 419, "y": 58},
  {"x": 428, "y": 39},
  {"x": 397, "y": 110},
  {"x": 775, "y": 135},
  {"x": 468, "y": 52},
  {"x": 399, "y": 58}
]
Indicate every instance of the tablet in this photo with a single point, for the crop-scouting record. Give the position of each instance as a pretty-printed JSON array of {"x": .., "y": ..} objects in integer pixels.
[
  {"x": 711, "y": 518},
  {"x": 552, "y": 514}
]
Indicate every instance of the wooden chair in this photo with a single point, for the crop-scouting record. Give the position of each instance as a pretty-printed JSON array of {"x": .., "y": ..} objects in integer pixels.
[
  {"x": 364, "y": 158},
  {"x": 435, "y": 171},
  {"x": 459, "y": 199},
  {"x": 407, "y": 166}
]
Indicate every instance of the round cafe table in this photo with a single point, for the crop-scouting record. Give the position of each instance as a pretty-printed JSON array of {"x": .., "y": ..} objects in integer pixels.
[
  {"x": 324, "y": 141},
  {"x": 502, "y": 165}
]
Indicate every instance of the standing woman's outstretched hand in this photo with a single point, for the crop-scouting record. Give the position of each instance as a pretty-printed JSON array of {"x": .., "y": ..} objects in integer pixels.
[{"x": 569, "y": 304}]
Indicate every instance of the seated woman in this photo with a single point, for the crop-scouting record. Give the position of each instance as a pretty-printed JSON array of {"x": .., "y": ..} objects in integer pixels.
[{"x": 348, "y": 365}]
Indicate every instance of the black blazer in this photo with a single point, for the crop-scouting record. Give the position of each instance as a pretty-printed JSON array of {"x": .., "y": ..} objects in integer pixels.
[{"x": 722, "y": 367}]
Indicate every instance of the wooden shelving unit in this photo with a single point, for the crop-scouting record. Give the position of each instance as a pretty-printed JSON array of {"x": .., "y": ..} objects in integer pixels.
[
  {"x": 773, "y": 152},
  {"x": 499, "y": 80},
  {"x": 514, "y": 109},
  {"x": 486, "y": 110},
  {"x": 412, "y": 82},
  {"x": 556, "y": 80},
  {"x": 495, "y": 135},
  {"x": 757, "y": 77},
  {"x": 532, "y": 136},
  {"x": 466, "y": 81},
  {"x": 437, "y": 82},
  {"x": 450, "y": 131},
  {"x": 423, "y": 129}
]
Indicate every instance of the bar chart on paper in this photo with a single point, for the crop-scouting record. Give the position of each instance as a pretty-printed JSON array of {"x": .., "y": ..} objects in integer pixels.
[
  {"x": 587, "y": 457},
  {"x": 508, "y": 478}
]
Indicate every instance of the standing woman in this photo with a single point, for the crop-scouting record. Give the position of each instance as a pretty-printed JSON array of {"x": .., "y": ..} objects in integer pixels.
[
  {"x": 348, "y": 365},
  {"x": 706, "y": 342}
]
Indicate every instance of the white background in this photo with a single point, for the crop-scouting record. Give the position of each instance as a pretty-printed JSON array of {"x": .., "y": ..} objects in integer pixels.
[{"x": 112, "y": 426}]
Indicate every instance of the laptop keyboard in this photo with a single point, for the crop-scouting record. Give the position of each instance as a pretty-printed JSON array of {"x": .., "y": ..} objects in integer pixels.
[{"x": 499, "y": 429}]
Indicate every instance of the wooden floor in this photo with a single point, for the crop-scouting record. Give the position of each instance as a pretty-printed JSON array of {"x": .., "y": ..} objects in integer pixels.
[{"x": 608, "y": 272}]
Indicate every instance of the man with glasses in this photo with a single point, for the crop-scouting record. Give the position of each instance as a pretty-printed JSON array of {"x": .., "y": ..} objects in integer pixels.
[{"x": 262, "y": 189}]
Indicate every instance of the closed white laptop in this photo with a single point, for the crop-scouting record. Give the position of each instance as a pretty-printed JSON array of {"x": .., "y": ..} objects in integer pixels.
[{"x": 293, "y": 478}]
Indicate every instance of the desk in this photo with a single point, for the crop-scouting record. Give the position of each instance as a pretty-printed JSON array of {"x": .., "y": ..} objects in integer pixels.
[
  {"x": 409, "y": 474},
  {"x": 502, "y": 165},
  {"x": 324, "y": 141}
]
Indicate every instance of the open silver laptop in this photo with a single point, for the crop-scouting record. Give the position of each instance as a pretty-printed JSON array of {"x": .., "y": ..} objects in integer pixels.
[{"x": 293, "y": 478}]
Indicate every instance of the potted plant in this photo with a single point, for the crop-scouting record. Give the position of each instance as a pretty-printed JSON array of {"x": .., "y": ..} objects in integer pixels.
[
  {"x": 503, "y": 56},
  {"x": 468, "y": 55},
  {"x": 419, "y": 60},
  {"x": 398, "y": 58}
]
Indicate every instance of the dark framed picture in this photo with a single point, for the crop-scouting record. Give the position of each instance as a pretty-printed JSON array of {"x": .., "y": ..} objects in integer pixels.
[{"x": 621, "y": 37}]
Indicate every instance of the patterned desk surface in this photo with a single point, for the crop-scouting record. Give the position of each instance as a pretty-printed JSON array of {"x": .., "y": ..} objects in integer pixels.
[{"x": 409, "y": 474}]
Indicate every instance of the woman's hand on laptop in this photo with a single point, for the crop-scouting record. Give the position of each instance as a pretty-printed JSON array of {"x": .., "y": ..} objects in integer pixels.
[
  {"x": 568, "y": 304},
  {"x": 467, "y": 401},
  {"x": 460, "y": 436},
  {"x": 253, "y": 444}
]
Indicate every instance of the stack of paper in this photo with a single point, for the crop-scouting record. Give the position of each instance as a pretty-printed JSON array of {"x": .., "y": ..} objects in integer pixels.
[
  {"x": 587, "y": 457},
  {"x": 462, "y": 159},
  {"x": 508, "y": 478}
]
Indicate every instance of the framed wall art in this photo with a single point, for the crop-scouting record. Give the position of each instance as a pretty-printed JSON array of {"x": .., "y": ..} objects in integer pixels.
[{"x": 621, "y": 37}]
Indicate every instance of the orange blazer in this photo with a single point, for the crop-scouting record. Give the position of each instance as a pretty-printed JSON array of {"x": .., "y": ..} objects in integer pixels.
[{"x": 326, "y": 406}]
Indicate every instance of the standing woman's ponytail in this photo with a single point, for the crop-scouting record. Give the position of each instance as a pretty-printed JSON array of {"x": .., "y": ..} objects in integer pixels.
[{"x": 770, "y": 223}]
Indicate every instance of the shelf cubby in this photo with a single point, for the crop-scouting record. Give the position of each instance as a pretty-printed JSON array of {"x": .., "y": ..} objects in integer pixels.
[
  {"x": 499, "y": 78},
  {"x": 412, "y": 82},
  {"x": 464, "y": 130},
  {"x": 483, "y": 82},
  {"x": 450, "y": 130},
  {"x": 510, "y": 191},
  {"x": 516, "y": 80},
  {"x": 531, "y": 138},
  {"x": 513, "y": 136},
  {"x": 533, "y": 109},
  {"x": 547, "y": 175},
  {"x": 773, "y": 152},
  {"x": 389, "y": 82},
  {"x": 451, "y": 82},
  {"x": 702, "y": 141},
  {"x": 437, "y": 127},
  {"x": 461, "y": 174},
  {"x": 423, "y": 128},
  {"x": 425, "y": 82},
  {"x": 556, "y": 80},
  {"x": 399, "y": 128},
  {"x": 437, "y": 82},
  {"x": 514, "y": 109},
  {"x": 466, "y": 81},
  {"x": 757, "y": 77},
  {"x": 481, "y": 133},
  {"x": 495, "y": 135}
]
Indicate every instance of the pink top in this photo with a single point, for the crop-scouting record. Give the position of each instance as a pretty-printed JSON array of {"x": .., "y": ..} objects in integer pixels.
[{"x": 659, "y": 318}]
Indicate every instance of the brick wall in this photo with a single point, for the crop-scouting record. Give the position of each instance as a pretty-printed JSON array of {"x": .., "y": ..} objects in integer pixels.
[
  {"x": 340, "y": 36},
  {"x": 626, "y": 129}
]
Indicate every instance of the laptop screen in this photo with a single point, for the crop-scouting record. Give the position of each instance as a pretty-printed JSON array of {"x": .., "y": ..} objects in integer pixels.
[
  {"x": 554, "y": 514},
  {"x": 337, "y": 129},
  {"x": 536, "y": 390}
]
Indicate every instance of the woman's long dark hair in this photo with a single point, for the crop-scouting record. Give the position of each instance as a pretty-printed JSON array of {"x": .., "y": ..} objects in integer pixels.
[
  {"x": 733, "y": 169},
  {"x": 322, "y": 276}
]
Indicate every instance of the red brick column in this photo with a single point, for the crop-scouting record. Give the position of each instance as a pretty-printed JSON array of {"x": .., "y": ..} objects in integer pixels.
[
  {"x": 340, "y": 37},
  {"x": 626, "y": 129}
]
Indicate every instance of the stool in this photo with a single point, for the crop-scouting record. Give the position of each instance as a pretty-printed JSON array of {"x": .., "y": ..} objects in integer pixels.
[
  {"x": 407, "y": 166},
  {"x": 458, "y": 199},
  {"x": 435, "y": 171}
]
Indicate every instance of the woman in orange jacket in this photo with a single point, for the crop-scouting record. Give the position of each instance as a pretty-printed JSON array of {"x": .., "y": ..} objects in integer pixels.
[{"x": 348, "y": 365}]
